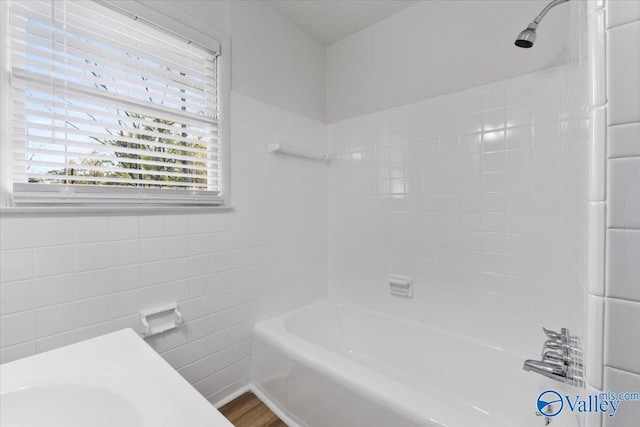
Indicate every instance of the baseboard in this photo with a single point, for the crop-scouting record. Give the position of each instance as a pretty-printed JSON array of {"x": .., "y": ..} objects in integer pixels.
[
  {"x": 242, "y": 390},
  {"x": 274, "y": 408}
]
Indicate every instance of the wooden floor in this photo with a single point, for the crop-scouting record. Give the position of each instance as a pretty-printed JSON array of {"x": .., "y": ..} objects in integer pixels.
[{"x": 248, "y": 411}]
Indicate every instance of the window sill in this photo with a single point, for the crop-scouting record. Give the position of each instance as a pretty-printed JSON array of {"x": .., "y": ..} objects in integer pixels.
[{"x": 111, "y": 210}]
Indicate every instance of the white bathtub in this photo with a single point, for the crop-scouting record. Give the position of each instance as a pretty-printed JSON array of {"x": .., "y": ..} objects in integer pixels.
[{"x": 332, "y": 364}]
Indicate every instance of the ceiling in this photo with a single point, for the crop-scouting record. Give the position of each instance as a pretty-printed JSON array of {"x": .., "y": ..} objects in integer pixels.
[{"x": 331, "y": 20}]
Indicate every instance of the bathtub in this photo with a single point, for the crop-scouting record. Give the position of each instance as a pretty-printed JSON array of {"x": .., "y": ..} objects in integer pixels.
[{"x": 332, "y": 364}]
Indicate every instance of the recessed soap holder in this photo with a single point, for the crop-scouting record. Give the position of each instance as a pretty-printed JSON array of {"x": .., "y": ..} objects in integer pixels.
[
  {"x": 401, "y": 285},
  {"x": 160, "y": 319}
]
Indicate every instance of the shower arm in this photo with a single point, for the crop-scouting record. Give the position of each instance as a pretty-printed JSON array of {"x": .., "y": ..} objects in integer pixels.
[{"x": 533, "y": 25}]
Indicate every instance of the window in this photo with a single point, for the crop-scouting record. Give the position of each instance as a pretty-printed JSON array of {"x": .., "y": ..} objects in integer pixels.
[{"x": 110, "y": 110}]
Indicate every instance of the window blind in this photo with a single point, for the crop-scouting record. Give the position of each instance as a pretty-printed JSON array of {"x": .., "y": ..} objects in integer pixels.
[{"x": 108, "y": 109}]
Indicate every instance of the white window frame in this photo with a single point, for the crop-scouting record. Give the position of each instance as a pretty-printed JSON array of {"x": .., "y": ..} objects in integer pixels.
[{"x": 162, "y": 16}]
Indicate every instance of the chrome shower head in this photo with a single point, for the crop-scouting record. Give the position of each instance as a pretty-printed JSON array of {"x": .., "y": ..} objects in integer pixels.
[{"x": 527, "y": 37}]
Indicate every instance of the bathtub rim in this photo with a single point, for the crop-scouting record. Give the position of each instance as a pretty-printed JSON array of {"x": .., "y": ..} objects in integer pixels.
[
  {"x": 331, "y": 301},
  {"x": 414, "y": 404}
]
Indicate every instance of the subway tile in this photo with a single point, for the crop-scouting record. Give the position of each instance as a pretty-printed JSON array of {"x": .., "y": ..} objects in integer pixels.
[
  {"x": 16, "y": 233},
  {"x": 15, "y": 352},
  {"x": 152, "y": 249},
  {"x": 94, "y": 283},
  {"x": 122, "y": 304},
  {"x": 216, "y": 362},
  {"x": 52, "y": 290},
  {"x": 123, "y": 227},
  {"x": 622, "y": 334},
  {"x": 623, "y": 268},
  {"x": 200, "y": 223},
  {"x": 153, "y": 273},
  {"x": 91, "y": 229},
  {"x": 177, "y": 225},
  {"x": 54, "y": 231},
  {"x": 53, "y": 260},
  {"x": 177, "y": 246},
  {"x": 92, "y": 256},
  {"x": 178, "y": 291},
  {"x": 124, "y": 278},
  {"x": 91, "y": 311},
  {"x": 125, "y": 252},
  {"x": 177, "y": 269},
  {"x": 620, "y": 12},
  {"x": 210, "y": 344},
  {"x": 55, "y": 319},
  {"x": 16, "y": 296},
  {"x": 199, "y": 244},
  {"x": 151, "y": 226},
  {"x": 224, "y": 377},
  {"x": 623, "y": 85},
  {"x": 153, "y": 296},
  {"x": 16, "y": 265},
  {"x": 623, "y": 140},
  {"x": 618, "y": 380},
  {"x": 17, "y": 328},
  {"x": 70, "y": 337},
  {"x": 623, "y": 197}
]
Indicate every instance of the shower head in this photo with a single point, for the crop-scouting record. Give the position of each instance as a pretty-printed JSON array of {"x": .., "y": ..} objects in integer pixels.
[{"x": 527, "y": 37}]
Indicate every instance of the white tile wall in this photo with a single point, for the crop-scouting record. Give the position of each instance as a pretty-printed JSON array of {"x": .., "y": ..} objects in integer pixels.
[
  {"x": 479, "y": 195},
  {"x": 622, "y": 334},
  {"x": 629, "y": 412},
  {"x": 597, "y": 213},
  {"x": 623, "y": 69},
  {"x": 596, "y": 248},
  {"x": 624, "y": 140},
  {"x": 623, "y": 268},
  {"x": 594, "y": 340},
  {"x": 623, "y": 195},
  {"x": 68, "y": 278},
  {"x": 622, "y": 302},
  {"x": 621, "y": 12}
]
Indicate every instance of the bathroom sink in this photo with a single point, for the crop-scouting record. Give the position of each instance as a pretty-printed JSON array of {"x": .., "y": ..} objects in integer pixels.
[
  {"x": 115, "y": 380},
  {"x": 69, "y": 404}
]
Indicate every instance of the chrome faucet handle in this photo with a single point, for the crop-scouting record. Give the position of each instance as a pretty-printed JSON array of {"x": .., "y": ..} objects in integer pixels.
[
  {"x": 549, "y": 370},
  {"x": 561, "y": 357},
  {"x": 552, "y": 356},
  {"x": 552, "y": 345},
  {"x": 551, "y": 334},
  {"x": 576, "y": 350}
]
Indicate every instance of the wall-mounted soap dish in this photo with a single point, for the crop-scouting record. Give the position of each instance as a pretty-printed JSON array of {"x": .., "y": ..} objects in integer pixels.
[
  {"x": 160, "y": 319},
  {"x": 401, "y": 285}
]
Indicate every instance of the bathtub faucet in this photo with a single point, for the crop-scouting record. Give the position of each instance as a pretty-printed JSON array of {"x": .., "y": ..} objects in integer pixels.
[
  {"x": 561, "y": 358},
  {"x": 548, "y": 369}
]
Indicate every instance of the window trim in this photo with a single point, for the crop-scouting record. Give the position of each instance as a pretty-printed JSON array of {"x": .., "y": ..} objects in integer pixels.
[{"x": 167, "y": 18}]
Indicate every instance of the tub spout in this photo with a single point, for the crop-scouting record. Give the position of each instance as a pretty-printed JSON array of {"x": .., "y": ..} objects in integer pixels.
[{"x": 549, "y": 370}]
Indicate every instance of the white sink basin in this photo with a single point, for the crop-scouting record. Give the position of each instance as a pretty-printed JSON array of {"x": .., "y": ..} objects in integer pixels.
[
  {"x": 69, "y": 404},
  {"x": 111, "y": 381}
]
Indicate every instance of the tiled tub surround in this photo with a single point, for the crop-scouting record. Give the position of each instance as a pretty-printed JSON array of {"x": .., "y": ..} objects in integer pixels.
[
  {"x": 68, "y": 278},
  {"x": 621, "y": 301},
  {"x": 479, "y": 195}
]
